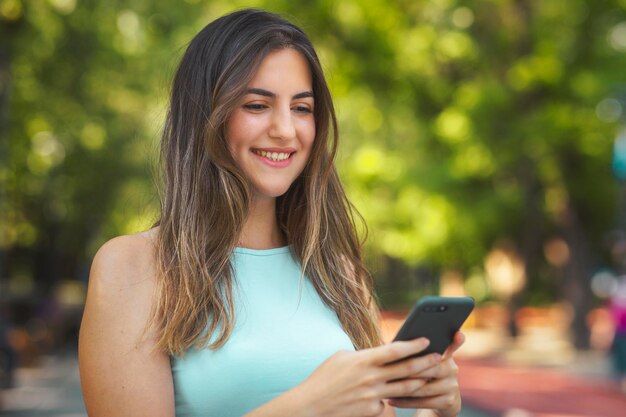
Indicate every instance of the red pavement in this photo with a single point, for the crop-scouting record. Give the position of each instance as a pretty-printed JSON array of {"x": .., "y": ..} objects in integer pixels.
[{"x": 496, "y": 388}]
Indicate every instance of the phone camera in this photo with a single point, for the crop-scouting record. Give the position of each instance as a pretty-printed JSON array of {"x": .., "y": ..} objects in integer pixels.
[{"x": 434, "y": 309}]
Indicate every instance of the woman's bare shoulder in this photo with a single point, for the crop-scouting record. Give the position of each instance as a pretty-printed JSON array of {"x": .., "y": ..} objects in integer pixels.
[
  {"x": 122, "y": 285},
  {"x": 126, "y": 260}
]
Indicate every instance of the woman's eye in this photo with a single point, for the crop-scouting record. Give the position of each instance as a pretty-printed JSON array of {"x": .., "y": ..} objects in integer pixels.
[
  {"x": 255, "y": 106},
  {"x": 302, "y": 109}
]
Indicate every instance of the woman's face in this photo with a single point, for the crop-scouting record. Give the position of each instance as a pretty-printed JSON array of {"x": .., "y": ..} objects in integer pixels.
[{"x": 271, "y": 131}]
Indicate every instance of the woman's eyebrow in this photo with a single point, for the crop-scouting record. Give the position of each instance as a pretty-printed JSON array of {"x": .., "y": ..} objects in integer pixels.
[{"x": 266, "y": 93}]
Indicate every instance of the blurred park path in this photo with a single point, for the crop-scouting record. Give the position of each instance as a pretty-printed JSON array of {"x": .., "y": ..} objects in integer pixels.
[
  {"x": 51, "y": 389},
  {"x": 502, "y": 389}
]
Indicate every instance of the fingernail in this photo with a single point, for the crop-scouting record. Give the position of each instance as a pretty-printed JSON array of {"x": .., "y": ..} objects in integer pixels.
[
  {"x": 424, "y": 342},
  {"x": 436, "y": 357}
]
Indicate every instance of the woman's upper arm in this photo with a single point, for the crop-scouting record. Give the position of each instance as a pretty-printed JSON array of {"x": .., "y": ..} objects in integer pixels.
[{"x": 121, "y": 374}]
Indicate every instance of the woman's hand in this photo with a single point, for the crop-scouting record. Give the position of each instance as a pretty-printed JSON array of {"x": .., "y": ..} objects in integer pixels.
[
  {"x": 355, "y": 383},
  {"x": 439, "y": 390}
]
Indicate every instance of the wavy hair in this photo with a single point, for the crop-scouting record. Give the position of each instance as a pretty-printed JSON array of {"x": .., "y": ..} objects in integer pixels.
[{"x": 205, "y": 197}]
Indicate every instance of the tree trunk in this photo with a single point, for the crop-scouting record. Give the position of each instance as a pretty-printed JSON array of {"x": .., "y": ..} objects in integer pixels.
[
  {"x": 576, "y": 286},
  {"x": 5, "y": 82}
]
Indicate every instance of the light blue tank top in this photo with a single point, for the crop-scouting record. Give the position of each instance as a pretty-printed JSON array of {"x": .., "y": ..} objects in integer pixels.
[{"x": 283, "y": 331}]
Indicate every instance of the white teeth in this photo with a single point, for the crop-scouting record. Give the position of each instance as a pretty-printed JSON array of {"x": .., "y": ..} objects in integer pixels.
[{"x": 274, "y": 156}]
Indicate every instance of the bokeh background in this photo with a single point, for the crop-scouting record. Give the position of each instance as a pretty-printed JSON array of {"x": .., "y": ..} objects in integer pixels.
[{"x": 483, "y": 141}]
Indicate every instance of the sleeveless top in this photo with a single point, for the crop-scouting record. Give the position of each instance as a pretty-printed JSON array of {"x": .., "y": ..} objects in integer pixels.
[{"x": 282, "y": 332}]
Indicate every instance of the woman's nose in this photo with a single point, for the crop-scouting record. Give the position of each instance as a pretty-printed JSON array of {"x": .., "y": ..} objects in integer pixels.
[{"x": 282, "y": 124}]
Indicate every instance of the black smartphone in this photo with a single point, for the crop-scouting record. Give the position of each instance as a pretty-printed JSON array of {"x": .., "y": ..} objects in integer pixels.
[{"x": 437, "y": 319}]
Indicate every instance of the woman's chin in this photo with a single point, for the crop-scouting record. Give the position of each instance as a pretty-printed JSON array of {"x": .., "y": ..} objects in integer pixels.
[{"x": 270, "y": 192}]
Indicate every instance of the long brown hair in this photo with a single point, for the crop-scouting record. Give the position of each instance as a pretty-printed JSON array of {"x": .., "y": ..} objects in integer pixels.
[{"x": 205, "y": 197}]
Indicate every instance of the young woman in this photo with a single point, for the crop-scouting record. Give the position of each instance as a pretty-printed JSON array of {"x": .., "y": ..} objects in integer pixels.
[{"x": 249, "y": 296}]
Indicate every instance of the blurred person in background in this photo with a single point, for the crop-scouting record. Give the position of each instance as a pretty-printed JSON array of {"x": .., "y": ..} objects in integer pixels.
[
  {"x": 7, "y": 353},
  {"x": 618, "y": 348},
  {"x": 249, "y": 296}
]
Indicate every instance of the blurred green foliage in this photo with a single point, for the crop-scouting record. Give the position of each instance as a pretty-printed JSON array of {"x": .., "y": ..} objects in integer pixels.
[{"x": 463, "y": 124}]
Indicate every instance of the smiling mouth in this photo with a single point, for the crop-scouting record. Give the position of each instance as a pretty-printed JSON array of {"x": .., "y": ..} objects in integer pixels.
[{"x": 273, "y": 156}]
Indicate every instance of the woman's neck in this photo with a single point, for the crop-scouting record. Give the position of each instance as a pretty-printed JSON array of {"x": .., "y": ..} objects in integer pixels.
[{"x": 261, "y": 229}]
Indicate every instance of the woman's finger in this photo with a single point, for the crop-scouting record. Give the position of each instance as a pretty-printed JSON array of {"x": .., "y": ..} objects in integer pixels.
[
  {"x": 457, "y": 342},
  {"x": 435, "y": 388},
  {"x": 439, "y": 402},
  {"x": 445, "y": 369},
  {"x": 410, "y": 367},
  {"x": 407, "y": 387},
  {"x": 394, "y": 351},
  {"x": 420, "y": 388}
]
